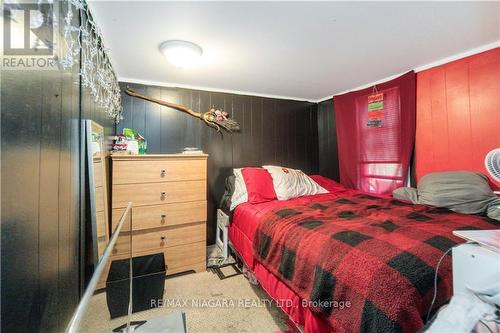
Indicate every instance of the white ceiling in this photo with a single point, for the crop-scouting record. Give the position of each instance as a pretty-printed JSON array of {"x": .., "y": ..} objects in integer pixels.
[{"x": 291, "y": 49}]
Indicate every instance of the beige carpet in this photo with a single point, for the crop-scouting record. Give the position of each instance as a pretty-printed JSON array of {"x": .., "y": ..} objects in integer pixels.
[{"x": 210, "y": 304}]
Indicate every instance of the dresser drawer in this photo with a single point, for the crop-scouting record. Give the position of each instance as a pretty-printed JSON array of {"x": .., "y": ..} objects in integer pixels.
[
  {"x": 101, "y": 224},
  {"x": 180, "y": 258},
  {"x": 98, "y": 176},
  {"x": 99, "y": 199},
  {"x": 147, "y": 217},
  {"x": 161, "y": 238},
  {"x": 186, "y": 257},
  {"x": 151, "y": 171},
  {"x": 101, "y": 245},
  {"x": 158, "y": 193}
]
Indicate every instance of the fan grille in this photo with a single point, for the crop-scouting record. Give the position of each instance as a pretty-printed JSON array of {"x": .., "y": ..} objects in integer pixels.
[{"x": 492, "y": 163}]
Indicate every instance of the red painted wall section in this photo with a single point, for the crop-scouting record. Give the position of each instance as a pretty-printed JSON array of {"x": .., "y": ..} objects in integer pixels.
[{"x": 458, "y": 114}]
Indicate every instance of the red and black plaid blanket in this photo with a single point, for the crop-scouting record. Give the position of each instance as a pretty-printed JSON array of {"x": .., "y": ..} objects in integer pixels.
[{"x": 364, "y": 262}]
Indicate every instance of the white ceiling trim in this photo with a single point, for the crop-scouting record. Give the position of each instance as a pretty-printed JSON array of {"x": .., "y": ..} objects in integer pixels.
[
  {"x": 439, "y": 62},
  {"x": 209, "y": 89},
  {"x": 461, "y": 55}
]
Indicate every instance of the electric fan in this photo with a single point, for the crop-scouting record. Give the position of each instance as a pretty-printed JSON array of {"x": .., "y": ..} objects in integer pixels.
[{"x": 492, "y": 164}]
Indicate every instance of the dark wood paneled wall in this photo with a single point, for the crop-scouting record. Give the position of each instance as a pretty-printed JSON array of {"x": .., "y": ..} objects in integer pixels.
[
  {"x": 40, "y": 177},
  {"x": 274, "y": 131},
  {"x": 327, "y": 141}
]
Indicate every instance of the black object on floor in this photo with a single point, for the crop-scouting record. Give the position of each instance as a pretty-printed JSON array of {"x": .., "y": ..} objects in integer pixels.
[
  {"x": 173, "y": 322},
  {"x": 222, "y": 276},
  {"x": 148, "y": 282},
  {"x": 134, "y": 324}
]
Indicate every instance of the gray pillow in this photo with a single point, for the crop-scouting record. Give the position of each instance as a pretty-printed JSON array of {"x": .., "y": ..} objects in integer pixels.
[
  {"x": 494, "y": 209},
  {"x": 406, "y": 193},
  {"x": 461, "y": 191}
]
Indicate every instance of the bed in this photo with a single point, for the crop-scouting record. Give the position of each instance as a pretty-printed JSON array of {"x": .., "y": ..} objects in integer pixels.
[{"x": 346, "y": 261}]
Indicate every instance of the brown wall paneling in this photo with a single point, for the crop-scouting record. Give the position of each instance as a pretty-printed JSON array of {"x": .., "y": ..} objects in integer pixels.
[
  {"x": 268, "y": 121},
  {"x": 69, "y": 195},
  {"x": 327, "y": 141},
  {"x": 273, "y": 131},
  {"x": 20, "y": 199},
  {"x": 48, "y": 221},
  {"x": 40, "y": 176}
]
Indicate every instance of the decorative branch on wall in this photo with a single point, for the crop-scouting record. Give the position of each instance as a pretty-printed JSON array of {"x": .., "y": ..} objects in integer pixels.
[
  {"x": 96, "y": 70},
  {"x": 214, "y": 118}
]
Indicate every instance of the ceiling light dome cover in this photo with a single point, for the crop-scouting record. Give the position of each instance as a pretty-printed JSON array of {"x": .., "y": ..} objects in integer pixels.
[{"x": 181, "y": 53}]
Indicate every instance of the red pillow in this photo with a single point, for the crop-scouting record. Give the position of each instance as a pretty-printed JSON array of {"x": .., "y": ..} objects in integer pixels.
[{"x": 259, "y": 184}]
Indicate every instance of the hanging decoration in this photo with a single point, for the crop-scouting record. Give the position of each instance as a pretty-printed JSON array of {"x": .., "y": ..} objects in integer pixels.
[
  {"x": 96, "y": 71},
  {"x": 214, "y": 118},
  {"x": 375, "y": 108}
]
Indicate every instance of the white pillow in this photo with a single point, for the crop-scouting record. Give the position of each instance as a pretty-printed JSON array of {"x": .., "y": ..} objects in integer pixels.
[
  {"x": 240, "y": 194},
  {"x": 290, "y": 183}
]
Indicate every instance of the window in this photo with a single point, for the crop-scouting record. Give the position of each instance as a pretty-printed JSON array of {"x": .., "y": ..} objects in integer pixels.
[{"x": 379, "y": 131}]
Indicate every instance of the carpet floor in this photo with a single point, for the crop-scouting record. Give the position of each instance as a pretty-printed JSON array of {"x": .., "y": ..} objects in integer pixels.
[{"x": 210, "y": 304}]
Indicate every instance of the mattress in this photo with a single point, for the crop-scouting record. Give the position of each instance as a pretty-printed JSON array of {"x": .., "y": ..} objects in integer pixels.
[
  {"x": 241, "y": 234},
  {"x": 288, "y": 300}
]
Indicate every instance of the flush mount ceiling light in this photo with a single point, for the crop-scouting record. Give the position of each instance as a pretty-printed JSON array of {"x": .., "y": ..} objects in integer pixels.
[{"x": 181, "y": 53}]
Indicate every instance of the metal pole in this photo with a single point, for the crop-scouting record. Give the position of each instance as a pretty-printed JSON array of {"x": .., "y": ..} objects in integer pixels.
[{"x": 74, "y": 324}]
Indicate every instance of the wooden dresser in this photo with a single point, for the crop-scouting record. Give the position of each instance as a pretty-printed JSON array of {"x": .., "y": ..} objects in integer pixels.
[{"x": 169, "y": 212}]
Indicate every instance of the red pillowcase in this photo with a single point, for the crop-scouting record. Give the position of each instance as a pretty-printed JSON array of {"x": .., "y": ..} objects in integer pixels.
[{"x": 259, "y": 184}]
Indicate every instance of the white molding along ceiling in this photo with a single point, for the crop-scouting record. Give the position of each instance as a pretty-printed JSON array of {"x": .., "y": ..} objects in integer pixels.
[
  {"x": 422, "y": 68},
  {"x": 295, "y": 50}
]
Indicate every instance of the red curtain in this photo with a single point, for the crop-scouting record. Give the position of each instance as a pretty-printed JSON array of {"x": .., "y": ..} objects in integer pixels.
[{"x": 376, "y": 134}]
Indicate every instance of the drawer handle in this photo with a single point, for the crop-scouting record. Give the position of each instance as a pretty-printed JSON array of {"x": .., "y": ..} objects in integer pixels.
[
  {"x": 163, "y": 239},
  {"x": 163, "y": 217},
  {"x": 163, "y": 195},
  {"x": 162, "y": 173}
]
